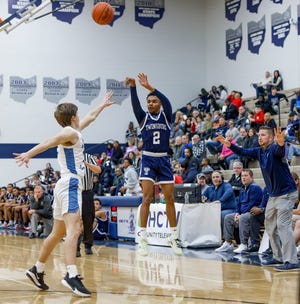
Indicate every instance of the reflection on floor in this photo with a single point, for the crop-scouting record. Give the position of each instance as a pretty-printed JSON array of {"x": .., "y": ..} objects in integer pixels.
[{"x": 116, "y": 274}]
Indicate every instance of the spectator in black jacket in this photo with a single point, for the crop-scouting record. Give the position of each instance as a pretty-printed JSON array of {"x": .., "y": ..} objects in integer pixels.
[
  {"x": 269, "y": 121},
  {"x": 40, "y": 211},
  {"x": 275, "y": 97},
  {"x": 117, "y": 153},
  {"x": 189, "y": 166}
]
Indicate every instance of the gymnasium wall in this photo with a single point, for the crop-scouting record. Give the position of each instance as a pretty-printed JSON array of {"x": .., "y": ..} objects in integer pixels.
[{"x": 182, "y": 53}]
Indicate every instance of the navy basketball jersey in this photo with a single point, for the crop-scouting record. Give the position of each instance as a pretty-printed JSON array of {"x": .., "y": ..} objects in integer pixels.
[{"x": 156, "y": 133}]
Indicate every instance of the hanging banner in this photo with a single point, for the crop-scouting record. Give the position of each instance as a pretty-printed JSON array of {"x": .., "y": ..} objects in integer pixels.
[
  {"x": 253, "y": 5},
  {"x": 234, "y": 40},
  {"x": 231, "y": 9},
  {"x": 67, "y": 12},
  {"x": 22, "y": 89},
  {"x": 256, "y": 35},
  {"x": 1, "y": 83},
  {"x": 55, "y": 90},
  {"x": 86, "y": 90},
  {"x": 280, "y": 26},
  {"x": 22, "y": 5},
  {"x": 148, "y": 12},
  {"x": 298, "y": 19},
  {"x": 277, "y": 1},
  {"x": 121, "y": 91},
  {"x": 118, "y": 6}
]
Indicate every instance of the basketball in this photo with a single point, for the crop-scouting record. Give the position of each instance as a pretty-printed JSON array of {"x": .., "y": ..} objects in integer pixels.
[{"x": 103, "y": 13}]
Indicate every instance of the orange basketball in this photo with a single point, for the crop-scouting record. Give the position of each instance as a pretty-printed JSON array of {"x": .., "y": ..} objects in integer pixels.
[{"x": 103, "y": 13}]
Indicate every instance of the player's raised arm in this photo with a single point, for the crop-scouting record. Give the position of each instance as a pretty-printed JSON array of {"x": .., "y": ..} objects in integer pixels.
[{"x": 92, "y": 115}]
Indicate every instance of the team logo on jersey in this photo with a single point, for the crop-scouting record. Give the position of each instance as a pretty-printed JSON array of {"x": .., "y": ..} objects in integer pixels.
[{"x": 146, "y": 170}]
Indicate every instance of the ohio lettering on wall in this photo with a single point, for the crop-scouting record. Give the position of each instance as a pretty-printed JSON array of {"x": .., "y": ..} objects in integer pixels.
[
  {"x": 256, "y": 35},
  {"x": 231, "y": 9},
  {"x": 234, "y": 40},
  {"x": 21, "y": 89},
  {"x": 253, "y": 5},
  {"x": 55, "y": 90},
  {"x": 87, "y": 90},
  {"x": 280, "y": 27},
  {"x": 148, "y": 12},
  {"x": 68, "y": 12},
  {"x": 120, "y": 90}
]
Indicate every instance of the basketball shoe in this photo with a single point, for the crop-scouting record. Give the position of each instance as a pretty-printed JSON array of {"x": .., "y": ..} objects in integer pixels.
[
  {"x": 76, "y": 285},
  {"x": 37, "y": 278}
]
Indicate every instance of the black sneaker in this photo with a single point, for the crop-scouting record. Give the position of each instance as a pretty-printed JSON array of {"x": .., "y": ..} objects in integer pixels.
[
  {"x": 37, "y": 278},
  {"x": 76, "y": 285},
  {"x": 88, "y": 250},
  {"x": 287, "y": 267},
  {"x": 251, "y": 248}
]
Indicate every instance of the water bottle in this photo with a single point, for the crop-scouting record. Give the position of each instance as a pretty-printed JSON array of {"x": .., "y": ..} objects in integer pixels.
[{"x": 186, "y": 198}]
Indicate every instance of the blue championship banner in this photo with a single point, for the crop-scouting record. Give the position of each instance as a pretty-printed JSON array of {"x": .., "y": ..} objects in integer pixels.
[
  {"x": 15, "y": 5},
  {"x": 22, "y": 89},
  {"x": 1, "y": 83},
  {"x": 68, "y": 13},
  {"x": 120, "y": 90},
  {"x": 234, "y": 40},
  {"x": 87, "y": 90},
  {"x": 118, "y": 5},
  {"x": 256, "y": 35},
  {"x": 55, "y": 89},
  {"x": 148, "y": 12},
  {"x": 280, "y": 27},
  {"x": 253, "y": 5},
  {"x": 231, "y": 9}
]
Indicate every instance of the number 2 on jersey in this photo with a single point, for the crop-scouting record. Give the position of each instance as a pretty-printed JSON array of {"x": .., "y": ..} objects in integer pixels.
[{"x": 156, "y": 138}]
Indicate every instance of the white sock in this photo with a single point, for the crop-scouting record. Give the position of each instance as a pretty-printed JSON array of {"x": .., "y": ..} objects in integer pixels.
[
  {"x": 39, "y": 266},
  {"x": 142, "y": 233},
  {"x": 174, "y": 233},
  {"x": 72, "y": 270}
]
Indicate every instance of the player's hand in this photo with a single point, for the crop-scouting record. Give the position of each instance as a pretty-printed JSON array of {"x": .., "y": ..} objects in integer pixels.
[
  {"x": 279, "y": 136},
  {"x": 106, "y": 100},
  {"x": 130, "y": 81},
  {"x": 22, "y": 158},
  {"x": 143, "y": 80},
  {"x": 223, "y": 141}
]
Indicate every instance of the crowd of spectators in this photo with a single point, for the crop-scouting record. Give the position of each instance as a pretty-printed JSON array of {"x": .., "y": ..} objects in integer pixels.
[{"x": 192, "y": 148}]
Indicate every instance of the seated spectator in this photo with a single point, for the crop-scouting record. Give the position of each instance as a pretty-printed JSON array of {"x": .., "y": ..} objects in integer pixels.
[
  {"x": 117, "y": 154},
  {"x": 237, "y": 100},
  {"x": 226, "y": 154},
  {"x": 176, "y": 131},
  {"x": 179, "y": 119},
  {"x": 22, "y": 201},
  {"x": 295, "y": 102},
  {"x": 257, "y": 221},
  {"x": 189, "y": 109},
  {"x": 212, "y": 105},
  {"x": 220, "y": 99},
  {"x": 231, "y": 111},
  {"x": 131, "y": 132},
  {"x": 208, "y": 124},
  {"x": 198, "y": 148},
  {"x": 214, "y": 92},
  {"x": 277, "y": 81},
  {"x": 250, "y": 196},
  {"x": 118, "y": 182},
  {"x": 109, "y": 150},
  {"x": 204, "y": 95},
  {"x": 105, "y": 176},
  {"x": 213, "y": 146},
  {"x": 293, "y": 150},
  {"x": 131, "y": 180},
  {"x": 292, "y": 128},
  {"x": 275, "y": 98},
  {"x": 97, "y": 187},
  {"x": 177, "y": 149},
  {"x": 206, "y": 168},
  {"x": 236, "y": 178},
  {"x": 243, "y": 137},
  {"x": 201, "y": 180},
  {"x": 185, "y": 144},
  {"x": 265, "y": 104},
  {"x": 189, "y": 166},
  {"x": 235, "y": 133},
  {"x": 40, "y": 210},
  {"x": 258, "y": 118},
  {"x": 177, "y": 174},
  {"x": 100, "y": 226},
  {"x": 221, "y": 192},
  {"x": 130, "y": 147},
  {"x": 187, "y": 127},
  {"x": 264, "y": 85},
  {"x": 251, "y": 142},
  {"x": 269, "y": 121}
]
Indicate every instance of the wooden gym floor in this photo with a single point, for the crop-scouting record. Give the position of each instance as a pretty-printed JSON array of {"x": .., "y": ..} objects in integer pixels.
[{"x": 115, "y": 274}]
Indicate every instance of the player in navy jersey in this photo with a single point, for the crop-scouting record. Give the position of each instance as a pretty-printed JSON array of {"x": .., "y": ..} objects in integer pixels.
[
  {"x": 155, "y": 163},
  {"x": 67, "y": 192}
]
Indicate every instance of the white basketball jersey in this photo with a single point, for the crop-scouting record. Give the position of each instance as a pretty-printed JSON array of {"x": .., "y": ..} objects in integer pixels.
[{"x": 70, "y": 158}]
